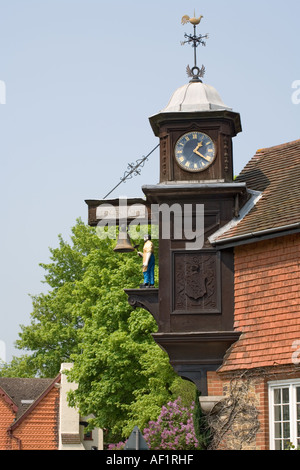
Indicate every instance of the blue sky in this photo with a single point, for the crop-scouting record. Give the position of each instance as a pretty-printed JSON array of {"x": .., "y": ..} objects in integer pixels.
[{"x": 82, "y": 78}]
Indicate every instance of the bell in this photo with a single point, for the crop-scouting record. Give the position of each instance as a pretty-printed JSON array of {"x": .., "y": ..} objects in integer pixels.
[{"x": 123, "y": 243}]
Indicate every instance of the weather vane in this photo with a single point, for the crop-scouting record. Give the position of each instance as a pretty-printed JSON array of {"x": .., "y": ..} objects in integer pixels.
[{"x": 195, "y": 72}]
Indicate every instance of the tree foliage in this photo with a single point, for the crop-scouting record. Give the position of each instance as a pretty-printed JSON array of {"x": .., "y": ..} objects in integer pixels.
[{"x": 51, "y": 337}]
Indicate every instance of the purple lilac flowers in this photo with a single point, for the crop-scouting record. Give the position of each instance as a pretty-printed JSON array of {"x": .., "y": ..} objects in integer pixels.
[{"x": 173, "y": 430}]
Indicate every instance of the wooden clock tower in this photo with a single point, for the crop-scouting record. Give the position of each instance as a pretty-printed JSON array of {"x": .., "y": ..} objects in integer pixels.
[{"x": 194, "y": 303}]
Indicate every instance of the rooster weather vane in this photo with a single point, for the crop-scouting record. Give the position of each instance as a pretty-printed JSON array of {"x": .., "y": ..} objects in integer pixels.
[{"x": 195, "y": 72}]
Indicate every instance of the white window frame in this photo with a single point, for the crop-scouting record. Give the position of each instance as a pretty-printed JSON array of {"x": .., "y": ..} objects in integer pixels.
[{"x": 291, "y": 385}]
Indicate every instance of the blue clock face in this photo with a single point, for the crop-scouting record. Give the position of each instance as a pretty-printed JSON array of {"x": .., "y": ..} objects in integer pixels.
[{"x": 195, "y": 151}]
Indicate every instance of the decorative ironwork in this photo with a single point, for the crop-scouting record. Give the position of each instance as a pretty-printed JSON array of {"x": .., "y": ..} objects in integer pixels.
[
  {"x": 191, "y": 71},
  {"x": 133, "y": 169},
  {"x": 195, "y": 40}
]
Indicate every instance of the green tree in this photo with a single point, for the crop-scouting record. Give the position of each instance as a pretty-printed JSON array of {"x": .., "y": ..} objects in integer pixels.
[
  {"x": 124, "y": 377},
  {"x": 51, "y": 336},
  {"x": 120, "y": 370},
  {"x": 18, "y": 367}
]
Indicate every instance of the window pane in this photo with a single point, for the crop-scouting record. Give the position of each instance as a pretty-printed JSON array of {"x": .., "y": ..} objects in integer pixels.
[
  {"x": 277, "y": 413},
  {"x": 298, "y": 429},
  {"x": 286, "y": 412},
  {"x": 286, "y": 430},
  {"x": 298, "y": 394},
  {"x": 278, "y": 445},
  {"x": 286, "y": 445},
  {"x": 277, "y": 396},
  {"x": 278, "y": 430},
  {"x": 285, "y": 395},
  {"x": 298, "y": 411}
]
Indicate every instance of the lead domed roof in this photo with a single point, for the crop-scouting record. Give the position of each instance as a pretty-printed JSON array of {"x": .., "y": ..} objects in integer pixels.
[{"x": 195, "y": 96}]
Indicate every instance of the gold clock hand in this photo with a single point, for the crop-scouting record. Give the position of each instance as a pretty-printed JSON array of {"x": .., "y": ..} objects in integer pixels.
[
  {"x": 198, "y": 146},
  {"x": 202, "y": 156}
]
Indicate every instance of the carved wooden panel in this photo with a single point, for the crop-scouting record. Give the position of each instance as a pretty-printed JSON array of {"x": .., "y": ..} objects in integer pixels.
[
  {"x": 196, "y": 282},
  {"x": 164, "y": 158}
]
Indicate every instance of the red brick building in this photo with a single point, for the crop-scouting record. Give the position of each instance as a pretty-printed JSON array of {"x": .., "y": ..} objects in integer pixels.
[
  {"x": 29, "y": 414},
  {"x": 35, "y": 415},
  {"x": 262, "y": 367}
]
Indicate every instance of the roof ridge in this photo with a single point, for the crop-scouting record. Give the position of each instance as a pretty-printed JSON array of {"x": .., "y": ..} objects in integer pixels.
[
  {"x": 36, "y": 401},
  {"x": 278, "y": 146}
]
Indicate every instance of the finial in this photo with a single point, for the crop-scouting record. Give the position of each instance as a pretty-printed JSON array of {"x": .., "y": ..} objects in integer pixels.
[{"x": 195, "y": 72}]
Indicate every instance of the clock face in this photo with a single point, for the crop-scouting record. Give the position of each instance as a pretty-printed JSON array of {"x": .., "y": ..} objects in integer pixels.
[{"x": 195, "y": 151}]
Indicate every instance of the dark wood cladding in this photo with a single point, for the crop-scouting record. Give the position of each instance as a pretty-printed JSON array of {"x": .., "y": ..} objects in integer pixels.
[
  {"x": 221, "y": 168},
  {"x": 193, "y": 306},
  {"x": 196, "y": 286},
  {"x": 221, "y": 126},
  {"x": 193, "y": 354}
]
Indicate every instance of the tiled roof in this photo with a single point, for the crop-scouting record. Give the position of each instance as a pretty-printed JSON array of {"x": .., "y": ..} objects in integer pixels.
[
  {"x": 275, "y": 173},
  {"x": 23, "y": 391}
]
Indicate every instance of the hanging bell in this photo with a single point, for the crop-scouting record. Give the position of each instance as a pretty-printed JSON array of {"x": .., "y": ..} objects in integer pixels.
[{"x": 123, "y": 243}]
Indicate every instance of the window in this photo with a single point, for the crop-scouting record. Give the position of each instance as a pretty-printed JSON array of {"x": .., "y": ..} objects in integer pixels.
[
  {"x": 88, "y": 436},
  {"x": 284, "y": 411}
]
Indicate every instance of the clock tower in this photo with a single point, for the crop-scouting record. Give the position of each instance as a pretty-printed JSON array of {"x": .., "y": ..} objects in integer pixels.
[{"x": 194, "y": 304}]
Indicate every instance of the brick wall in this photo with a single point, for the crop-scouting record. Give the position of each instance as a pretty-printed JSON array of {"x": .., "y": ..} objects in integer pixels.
[{"x": 249, "y": 396}]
